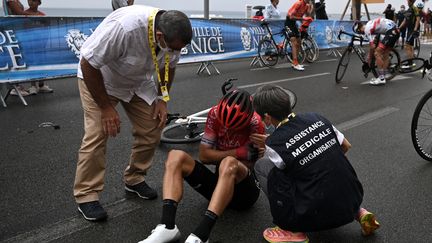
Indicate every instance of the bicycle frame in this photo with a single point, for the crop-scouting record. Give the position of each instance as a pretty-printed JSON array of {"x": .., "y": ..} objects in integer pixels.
[
  {"x": 199, "y": 117},
  {"x": 283, "y": 33},
  {"x": 357, "y": 49}
]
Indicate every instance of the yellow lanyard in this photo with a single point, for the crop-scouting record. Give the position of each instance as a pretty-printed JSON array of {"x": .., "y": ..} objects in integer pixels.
[
  {"x": 152, "y": 38},
  {"x": 292, "y": 115}
]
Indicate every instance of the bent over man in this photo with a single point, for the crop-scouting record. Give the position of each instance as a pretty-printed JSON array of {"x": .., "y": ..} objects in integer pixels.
[
  {"x": 117, "y": 65},
  {"x": 386, "y": 34}
]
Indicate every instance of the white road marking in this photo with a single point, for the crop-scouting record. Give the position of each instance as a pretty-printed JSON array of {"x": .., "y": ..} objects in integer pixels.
[
  {"x": 368, "y": 117},
  {"x": 283, "y": 80}
]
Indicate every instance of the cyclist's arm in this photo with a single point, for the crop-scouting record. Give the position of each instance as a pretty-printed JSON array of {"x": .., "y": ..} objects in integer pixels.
[
  {"x": 310, "y": 9},
  {"x": 15, "y": 8},
  {"x": 210, "y": 155},
  {"x": 417, "y": 24}
]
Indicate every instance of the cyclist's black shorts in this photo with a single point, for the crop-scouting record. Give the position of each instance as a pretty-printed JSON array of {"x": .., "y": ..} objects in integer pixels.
[
  {"x": 409, "y": 37},
  {"x": 390, "y": 38},
  {"x": 204, "y": 181},
  {"x": 293, "y": 27}
]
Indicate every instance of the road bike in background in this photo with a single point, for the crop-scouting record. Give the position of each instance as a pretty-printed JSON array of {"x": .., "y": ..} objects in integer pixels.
[
  {"x": 309, "y": 48},
  {"x": 269, "y": 51},
  {"x": 421, "y": 124},
  {"x": 189, "y": 129},
  {"x": 394, "y": 59}
]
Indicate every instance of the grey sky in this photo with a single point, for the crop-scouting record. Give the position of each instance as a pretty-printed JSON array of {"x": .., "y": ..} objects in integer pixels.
[{"x": 333, "y": 6}]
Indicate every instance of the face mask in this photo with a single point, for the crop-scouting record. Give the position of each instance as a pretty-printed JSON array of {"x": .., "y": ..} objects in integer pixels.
[
  {"x": 270, "y": 129},
  {"x": 164, "y": 49}
]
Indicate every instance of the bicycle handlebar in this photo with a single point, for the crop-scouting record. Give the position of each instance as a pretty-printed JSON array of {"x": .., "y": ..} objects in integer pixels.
[
  {"x": 227, "y": 85},
  {"x": 354, "y": 37}
]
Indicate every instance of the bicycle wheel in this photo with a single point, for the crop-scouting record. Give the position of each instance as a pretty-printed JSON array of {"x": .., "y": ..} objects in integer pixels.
[
  {"x": 309, "y": 50},
  {"x": 411, "y": 65},
  {"x": 183, "y": 133},
  {"x": 288, "y": 53},
  {"x": 421, "y": 127},
  {"x": 343, "y": 64},
  {"x": 315, "y": 45},
  {"x": 416, "y": 47},
  {"x": 268, "y": 52},
  {"x": 394, "y": 64}
]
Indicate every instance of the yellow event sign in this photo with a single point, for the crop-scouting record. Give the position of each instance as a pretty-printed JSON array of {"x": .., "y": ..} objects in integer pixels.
[{"x": 372, "y": 1}]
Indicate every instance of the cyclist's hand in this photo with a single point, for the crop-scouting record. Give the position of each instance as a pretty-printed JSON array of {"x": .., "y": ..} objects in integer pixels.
[
  {"x": 258, "y": 139},
  {"x": 160, "y": 112},
  {"x": 308, "y": 19},
  {"x": 247, "y": 152},
  {"x": 110, "y": 121}
]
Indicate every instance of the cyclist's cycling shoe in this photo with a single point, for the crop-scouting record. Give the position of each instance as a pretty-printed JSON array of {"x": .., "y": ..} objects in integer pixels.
[
  {"x": 277, "y": 234},
  {"x": 408, "y": 66},
  {"x": 367, "y": 222},
  {"x": 298, "y": 67},
  {"x": 194, "y": 239},
  {"x": 161, "y": 234},
  {"x": 377, "y": 81}
]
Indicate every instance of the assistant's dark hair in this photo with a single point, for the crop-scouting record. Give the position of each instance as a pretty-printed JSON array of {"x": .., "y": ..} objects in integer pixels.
[
  {"x": 175, "y": 25},
  {"x": 273, "y": 100}
]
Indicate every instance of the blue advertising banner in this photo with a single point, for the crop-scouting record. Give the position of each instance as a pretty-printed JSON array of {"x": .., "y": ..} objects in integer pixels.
[{"x": 34, "y": 48}]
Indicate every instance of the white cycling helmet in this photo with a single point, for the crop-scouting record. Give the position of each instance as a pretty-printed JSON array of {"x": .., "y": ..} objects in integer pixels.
[{"x": 420, "y": 5}]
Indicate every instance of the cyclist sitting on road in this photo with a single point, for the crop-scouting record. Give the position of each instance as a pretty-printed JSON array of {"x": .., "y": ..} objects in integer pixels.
[
  {"x": 309, "y": 182},
  {"x": 227, "y": 145},
  {"x": 412, "y": 24},
  {"x": 298, "y": 11},
  {"x": 386, "y": 35}
]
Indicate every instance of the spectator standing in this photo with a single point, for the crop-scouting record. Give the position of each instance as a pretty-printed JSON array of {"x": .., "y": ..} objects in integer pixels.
[
  {"x": 320, "y": 12},
  {"x": 412, "y": 24},
  {"x": 33, "y": 8},
  {"x": 400, "y": 16},
  {"x": 299, "y": 11},
  {"x": 271, "y": 11},
  {"x": 389, "y": 13},
  {"x": 117, "y": 65},
  {"x": 259, "y": 15},
  {"x": 41, "y": 87},
  {"x": 15, "y": 7},
  {"x": 116, "y": 4}
]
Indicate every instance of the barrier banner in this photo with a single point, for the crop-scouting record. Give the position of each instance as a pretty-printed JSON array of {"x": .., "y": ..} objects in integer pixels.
[{"x": 34, "y": 48}]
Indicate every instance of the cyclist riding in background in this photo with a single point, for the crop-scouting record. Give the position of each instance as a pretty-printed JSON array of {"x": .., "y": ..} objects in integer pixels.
[
  {"x": 385, "y": 34},
  {"x": 412, "y": 24},
  {"x": 300, "y": 10},
  {"x": 226, "y": 143}
]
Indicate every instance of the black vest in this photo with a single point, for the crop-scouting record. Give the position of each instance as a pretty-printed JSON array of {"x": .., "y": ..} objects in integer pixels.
[{"x": 319, "y": 188}]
